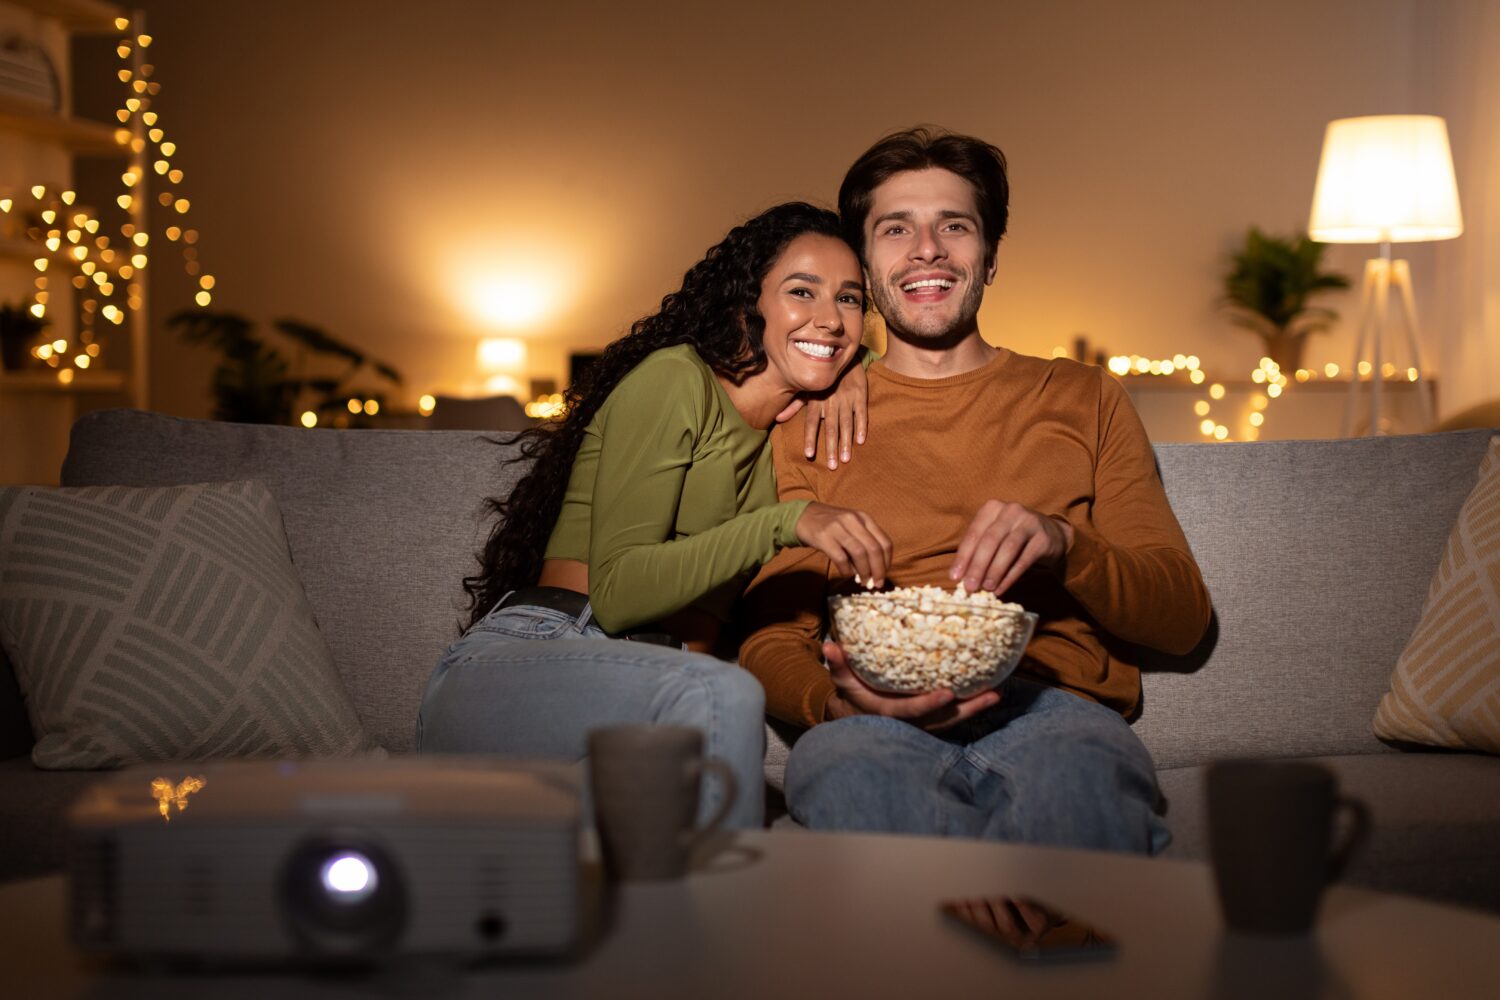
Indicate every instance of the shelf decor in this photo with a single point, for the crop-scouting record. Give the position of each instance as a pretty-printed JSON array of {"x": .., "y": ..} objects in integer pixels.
[{"x": 1268, "y": 287}]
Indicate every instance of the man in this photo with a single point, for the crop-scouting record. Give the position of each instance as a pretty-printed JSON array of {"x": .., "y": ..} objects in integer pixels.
[{"x": 1030, "y": 478}]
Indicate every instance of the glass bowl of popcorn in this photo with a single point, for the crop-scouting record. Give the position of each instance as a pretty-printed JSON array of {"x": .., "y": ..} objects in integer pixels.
[{"x": 911, "y": 640}]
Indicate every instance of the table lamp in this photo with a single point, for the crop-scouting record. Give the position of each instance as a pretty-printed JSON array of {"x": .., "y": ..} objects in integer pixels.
[{"x": 1385, "y": 179}]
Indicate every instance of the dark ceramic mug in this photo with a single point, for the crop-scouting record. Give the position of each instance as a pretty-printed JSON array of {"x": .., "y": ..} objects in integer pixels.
[
  {"x": 645, "y": 782},
  {"x": 1271, "y": 834}
]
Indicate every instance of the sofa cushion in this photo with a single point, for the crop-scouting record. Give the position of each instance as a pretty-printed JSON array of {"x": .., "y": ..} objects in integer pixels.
[
  {"x": 382, "y": 525},
  {"x": 1435, "y": 821},
  {"x": 1446, "y": 688},
  {"x": 163, "y": 623}
]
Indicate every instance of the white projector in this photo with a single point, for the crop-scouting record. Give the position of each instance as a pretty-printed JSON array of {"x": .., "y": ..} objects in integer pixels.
[{"x": 327, "y": 861}]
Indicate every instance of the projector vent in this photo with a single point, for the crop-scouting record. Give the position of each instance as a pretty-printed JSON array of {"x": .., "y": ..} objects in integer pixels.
[
  {"x": 490, "y": 879},
  {"x": 198, "y": 888},
  {"x": 95, "y": 891}
]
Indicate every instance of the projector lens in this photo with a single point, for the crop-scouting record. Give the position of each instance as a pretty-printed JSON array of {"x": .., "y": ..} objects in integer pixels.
[
  {"x": 349, "y": 877},
  {"x": 341, "y": 895}
]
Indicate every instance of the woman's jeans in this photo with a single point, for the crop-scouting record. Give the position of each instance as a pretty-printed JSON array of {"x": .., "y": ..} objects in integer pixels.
[
  {"x": 1043, "y": 766},
  {"x": 529, "y": 681}
]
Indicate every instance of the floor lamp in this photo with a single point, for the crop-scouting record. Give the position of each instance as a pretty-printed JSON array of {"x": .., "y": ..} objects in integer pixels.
[{"x": 1385, "y": 179}]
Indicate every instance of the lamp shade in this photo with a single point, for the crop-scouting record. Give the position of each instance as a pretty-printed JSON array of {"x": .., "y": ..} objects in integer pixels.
[{"x": 1385, "y": 178}]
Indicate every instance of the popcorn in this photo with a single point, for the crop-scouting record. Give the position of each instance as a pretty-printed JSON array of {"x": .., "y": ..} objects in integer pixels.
[{"x": 914, "y": 639}]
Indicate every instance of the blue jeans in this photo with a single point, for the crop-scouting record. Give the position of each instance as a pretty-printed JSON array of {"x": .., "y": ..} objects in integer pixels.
[
  {"x": 1043, "y": 766},
  {"x": 531, "y": 681}
]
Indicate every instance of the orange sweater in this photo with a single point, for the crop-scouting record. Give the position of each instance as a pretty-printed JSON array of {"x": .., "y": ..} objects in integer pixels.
[{"x": 1056, "y": 436}]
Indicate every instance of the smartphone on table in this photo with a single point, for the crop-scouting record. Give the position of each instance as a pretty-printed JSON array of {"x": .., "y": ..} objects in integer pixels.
[{"x": 1031, "y": 930}]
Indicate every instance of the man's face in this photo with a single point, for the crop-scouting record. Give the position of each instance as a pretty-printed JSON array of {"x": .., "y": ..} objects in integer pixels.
[{"x": 924, "y": 254}]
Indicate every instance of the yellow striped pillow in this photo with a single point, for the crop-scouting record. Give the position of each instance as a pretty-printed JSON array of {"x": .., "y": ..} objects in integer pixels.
[{"x": 1446, "y": 688}]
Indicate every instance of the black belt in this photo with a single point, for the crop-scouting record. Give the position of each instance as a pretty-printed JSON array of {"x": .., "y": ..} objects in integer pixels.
[{"x": 571, "y": 602}]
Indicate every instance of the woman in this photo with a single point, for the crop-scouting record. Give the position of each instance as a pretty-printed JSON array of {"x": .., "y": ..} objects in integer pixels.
[{"x": 648, "y": 507}]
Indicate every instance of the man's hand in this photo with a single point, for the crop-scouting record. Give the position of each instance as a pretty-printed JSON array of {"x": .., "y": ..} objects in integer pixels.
[
  {"x": 842, "y": 413},
  {"x": 850, "y": 539},
  {"x": 1005, "y": 540},
  {"x": 932, "y": 711}
]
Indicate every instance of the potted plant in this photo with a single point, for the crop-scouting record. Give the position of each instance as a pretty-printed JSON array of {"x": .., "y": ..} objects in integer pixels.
[
  {"x": 18, "y": 328},
  {"x": 254, "y": 382},
  {"x": 1270, "y": 280}
]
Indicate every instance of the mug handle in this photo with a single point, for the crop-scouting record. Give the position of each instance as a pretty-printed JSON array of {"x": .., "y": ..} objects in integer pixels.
[
  {"x": 1359, "y": 828},
  {"x": 731, "y": 791}
]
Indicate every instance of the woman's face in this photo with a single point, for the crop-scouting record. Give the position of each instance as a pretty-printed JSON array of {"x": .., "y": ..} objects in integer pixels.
[{"x": 812, "y": 301}]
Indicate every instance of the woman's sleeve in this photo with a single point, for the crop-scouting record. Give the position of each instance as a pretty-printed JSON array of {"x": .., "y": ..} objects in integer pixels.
[{"x": 638, "y": 573}]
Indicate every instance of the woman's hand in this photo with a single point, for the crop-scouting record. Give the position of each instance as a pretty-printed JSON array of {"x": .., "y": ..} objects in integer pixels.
[
  {"x": 850, "y": 539},
  {"x": 932, "y": 711},
  {"x": 843, "y": 413}
]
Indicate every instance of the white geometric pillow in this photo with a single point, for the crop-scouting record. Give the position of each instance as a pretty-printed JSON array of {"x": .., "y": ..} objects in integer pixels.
[
  {"x": 1445, "y": 690},
  {"x": 164, "y": 623}
]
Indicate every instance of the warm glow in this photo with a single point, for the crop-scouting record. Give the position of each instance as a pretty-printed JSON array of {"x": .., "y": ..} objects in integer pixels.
[
  {"x": 1364, "y": 369},
  {"x": 1221, "y": 432},
  {"x": 309, "y": 418},
  {"x": 1273, "y": 391},
  {"x": 499, "y": 354},
  {"x": 502, "y": 385},
  {"x": 1216, "y": 391},
  {"x": 203, "y": 298},
  {"x": 1197, "y": 377},
  {"x": 1201, "y": 407},
  {"x": 65, "y": 376},
  {"x": 1259, "y": 401},
  {"x": 1331, "y": 370},
  {"x": 511, "y": 302},
  {"x": 372, "y": 407},
  {"x": 355, "y": 405},
  {"x": 1412, "y": 374},
  {"x": 426, "y": 405},
  {"x": 1059, "y": 351},
  {"x": 81, "y": 360},
  {"x": 1385, "y": 177},
  {"x": 1256, "y": 419},
  {"x": 1207, "y": 427}
]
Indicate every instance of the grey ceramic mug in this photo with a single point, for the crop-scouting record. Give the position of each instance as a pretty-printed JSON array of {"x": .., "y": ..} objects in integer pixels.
[
  {"x": 645, "y": 782},
  {"x": 1271, "y": 834}
]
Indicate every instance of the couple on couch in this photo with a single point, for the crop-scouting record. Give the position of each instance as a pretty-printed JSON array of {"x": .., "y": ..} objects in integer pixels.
[{"x": 629, "y": 544}]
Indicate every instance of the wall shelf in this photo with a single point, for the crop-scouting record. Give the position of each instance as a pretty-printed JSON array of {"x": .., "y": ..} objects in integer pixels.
[
  {"x": 78, "y": 16},
  {"x": 84, "y": 380},
  {"x": 85, "y": 138}
]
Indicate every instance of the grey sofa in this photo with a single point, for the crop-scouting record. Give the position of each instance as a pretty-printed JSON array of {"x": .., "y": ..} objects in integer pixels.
[{"x": 1318, "y": 555}]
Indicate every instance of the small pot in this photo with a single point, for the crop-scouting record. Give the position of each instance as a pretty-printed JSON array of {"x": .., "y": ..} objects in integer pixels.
[{"x": 14, "y": 352}]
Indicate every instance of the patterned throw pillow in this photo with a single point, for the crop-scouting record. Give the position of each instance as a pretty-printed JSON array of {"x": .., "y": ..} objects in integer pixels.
[
  {"x": 1446, "y": 688},
  {"x": 163, "y": 623}
]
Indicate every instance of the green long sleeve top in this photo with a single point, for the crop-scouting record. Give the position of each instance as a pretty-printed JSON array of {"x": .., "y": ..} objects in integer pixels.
[{"x": 672, "y": 499}]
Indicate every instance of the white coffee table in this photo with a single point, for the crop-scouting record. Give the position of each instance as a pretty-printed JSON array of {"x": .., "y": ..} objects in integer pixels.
[{"x": 790, "y": 914}]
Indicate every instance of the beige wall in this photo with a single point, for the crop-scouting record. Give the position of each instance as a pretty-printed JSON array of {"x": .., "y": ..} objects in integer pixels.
[{"x": 363, "y": 166}]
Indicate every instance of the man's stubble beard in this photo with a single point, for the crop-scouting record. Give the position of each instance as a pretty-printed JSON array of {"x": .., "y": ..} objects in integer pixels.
[{"x": 964, "y": 322}]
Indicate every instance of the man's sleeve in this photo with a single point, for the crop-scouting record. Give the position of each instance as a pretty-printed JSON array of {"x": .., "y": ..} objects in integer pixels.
[
  {"x": 783, "y": 611},
  {"x": 1130, "y": 565}
]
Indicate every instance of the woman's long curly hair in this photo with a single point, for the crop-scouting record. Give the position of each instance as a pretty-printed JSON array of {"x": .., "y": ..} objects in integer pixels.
[{"x": 715, "y": 311}]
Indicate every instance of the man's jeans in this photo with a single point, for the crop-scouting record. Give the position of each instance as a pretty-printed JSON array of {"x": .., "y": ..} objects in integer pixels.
[
  {"x": 531, "y": 681},
  {"x": 1043, "y": 766}
]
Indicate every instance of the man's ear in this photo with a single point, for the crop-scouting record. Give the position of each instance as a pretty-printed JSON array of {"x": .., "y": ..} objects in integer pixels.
[{"x": 989, "y": 271}]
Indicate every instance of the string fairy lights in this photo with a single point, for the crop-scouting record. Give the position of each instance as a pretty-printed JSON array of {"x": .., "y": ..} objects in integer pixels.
[
  {"x": 1268, "y": 378},
  {"x": 107, "y": 276}
]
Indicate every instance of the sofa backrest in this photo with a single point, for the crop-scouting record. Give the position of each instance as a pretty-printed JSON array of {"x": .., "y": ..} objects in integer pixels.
[
  {"x": 382, "y": 526},
  {"x": 1318, "y": 556}
]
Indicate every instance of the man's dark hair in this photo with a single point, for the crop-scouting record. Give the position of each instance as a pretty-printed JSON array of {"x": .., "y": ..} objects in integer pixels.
[{"x": 975, "y": 160}]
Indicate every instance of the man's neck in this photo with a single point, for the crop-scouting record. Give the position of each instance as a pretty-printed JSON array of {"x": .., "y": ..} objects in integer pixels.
[{"x": 937, "y": 360}]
